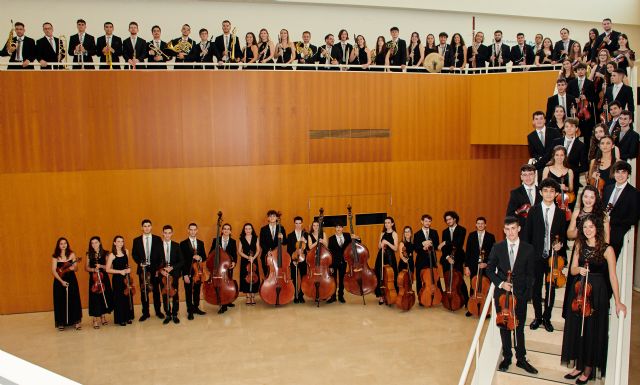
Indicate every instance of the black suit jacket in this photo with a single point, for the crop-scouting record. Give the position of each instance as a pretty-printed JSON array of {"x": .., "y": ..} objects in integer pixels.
[
  {"x": 517, "y": 198},
  {"x": 611, "y": 47},
  {"x": 116, "y": 44},
  {"x": 175, "y": 259},
  {"x": 140, "y": 49},
  {"x": 624, "y": 214},
  {"x": 506, "y": 54},
  {"x": 587, "y": 88},
  {"x": 196, "y": 54},
  {"x": 46, "y": 52},
  {"x": 534, "y": 230},
  {"x": 232, "y": 248},
  {"x": 459, "y": 234},
  {"x": 219, "y": 44},
  {"x": 554, "y": 100},
  {"x": 577, "y": 158},
  {"x": 473, "y": 249},
  {"x": 400, "y": 57},
  {"x": 628, "y": 145},
  {"x": 624, "y": 97},
  {"x": 337, "y": 251},
  {"x": 516, "y": 55},
  {"x": 481, "y": 58},
  {"x": 311, "y": 59},
  {"x": 151, "y": 57},
  {"x": 422, "y": 256},
  {"x": 292, "y": 239},
  {"x": 187, "y": 57},
  {"x": 522, "y": 276},
  {"x": 89, "y": 44},
  {"x": 155, "y": 255},
  {"x": 267, "y": 242},
  {"x": 558, "y": 47},
  {"x": 29, "y": 50},
  {"x": 339, "y": 55},
  {"x": 187, "y": 254},
  {"x": 537, "y": 150}
]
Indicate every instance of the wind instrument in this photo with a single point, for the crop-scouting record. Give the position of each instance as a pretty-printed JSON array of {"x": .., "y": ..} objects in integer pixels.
[
  {"x": 180, "y": 47},
  {"x": 108, "y": 57},
  {"x": 62, "y": 42},
  {"x": 233, "y": 44},
  {"x": 474, "y": 46},
  {"x": 158, "y": 51},
  {"x": 11, "y": 45}
]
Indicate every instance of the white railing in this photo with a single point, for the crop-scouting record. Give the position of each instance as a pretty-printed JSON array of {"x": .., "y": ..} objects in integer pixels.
[{"x": 14, "y": 370}]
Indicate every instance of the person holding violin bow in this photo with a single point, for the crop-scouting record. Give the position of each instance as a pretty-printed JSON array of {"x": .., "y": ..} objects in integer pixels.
[
  {"x": 525, "y": 196},
  {"x": 622, "y": 199},
  {"x": 147, "y": 253},
  {"x": 576, "y": 156},
  {"x": 118, "y": 266},
  {"x": 406, "y": 261},
  {"x": 249, "y": 251},
  {"x": 230, "y": 246},
  {"x": 558, "y": 169},
  {"x": 169, "y": 272},
  {"x": 478, "y": 241},
  {"x": 269, "y": 239},
  {"x": 67, "y": 309},
  {"x": 452, "y": 248},
  {"x": 424, "y": 241},
  {"x": 297, "y": 249},
  {"x": 510, "y": 268},
  {"x": 100, "y": 294},
  {"x": 387, "y": 247},
  {"x": 337, "y": 244},
  {"x": 193, "y": 273},
  {"x": 586, "y": 96}
]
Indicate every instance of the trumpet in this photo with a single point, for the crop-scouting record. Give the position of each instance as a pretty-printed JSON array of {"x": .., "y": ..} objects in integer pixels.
[
  {"x": 11, "y": 45},
  {"x": 108, "y": 57},
  {"x": 181, "y": 47},
  {"x": 233, "y": 44},
  {"x": 157, "y": 51}
]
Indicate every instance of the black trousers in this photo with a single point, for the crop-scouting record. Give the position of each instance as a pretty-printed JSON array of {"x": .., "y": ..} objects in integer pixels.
[
  {"x": 542, "y": 269},
  {"x": 144, "y": 297},
  {"x": 422, "y": 263},
  {"x": 339, "y": 270},
  {"x": 192, "y": 295},
  {"x": 506, "y": 335},
  {"x": 302, "y": 271},
  {"x": 175, "y": 305}
]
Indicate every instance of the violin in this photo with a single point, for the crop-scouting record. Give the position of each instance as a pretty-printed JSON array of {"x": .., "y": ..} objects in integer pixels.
[
  {"x": 388, "y": 287},
  {"x": 452, "y": 299},
  {"x": 430, "y": 294},
  {"x": 480, "y": 284},
  {"x": 299, "y": 257},
  {"x": 318, "y": 283},
  {"x": 605, "y": 116},
  {"x": 581, "y": 303},
  {"x": 166, "y": 283},
  {"x": 406, "y": 296},
  {"x": 506, "y": 318},
  {"x": 564, "y": 199},
  {"x": 523, "y": 211},
  {"x": 252, "y": 272},
  {"x": 359, "y": 279},
  {"x": 596, "y": 182},
  {"x": 96, "y": 277},
  {"x": 129, "y": 286},
  {"x": 583, "y": 107},
  {"x": 198, "y": 274},
  {"x": 220, "y": 288},
  {"x": 556, "y": 264},
  {"x": 67, "y": 266},
  {"x": 277, "y": 289}
]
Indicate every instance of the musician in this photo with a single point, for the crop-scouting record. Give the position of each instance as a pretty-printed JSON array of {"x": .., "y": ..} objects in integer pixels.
[
  {"x": 560, "y": 99},
  {"x": 250, "y": 52},
  {"x": 230, "y": 246},
  {"x": 269, "y": 239},
  {"x": 540, "y": 140},
  {"x": 443, "y": 50},
  {"x": 517, "y": 256},
  {"x": 134, "y": 49},
  {"x": 584, "y": 89},
  {"x": 118, "y": 266},
  {"x": 159, "y": 52},
  {"x": 314, "y": 236},
  {"x": 575, "y": 54},
  {"x": 50, "y": 49},
  {"x": 613, "y": 126},
  {"x": 204, "y": 51},
  {"x": 285, "y": 51},
  {"x": 342, "y": 49},
  {"x": 620, "y": 92},
  {"x": 544, "y": 56},
  {"x": 397, "y": 52},
  {"x": 478, "y": 240},
  {"x": 624, "y": 56},
  {"x": 525, "y": 196},
  {"x": 559, "y": 119},
  {"x": 608, "y": 39},
  {"x": 24, "y": 52},
  {"x": 67, "y": 309},
  {"x": 544, "y": 222},
  {"x": 82, "y": 46},
  {"x": 379, "y": 54},
  {"x": 567, "y": 71},
  {"x": 325, "y": 55},
  {"x": 557, "y": 168},
  {"x": 500, "y": 55},
  {"x": 184, "y": 55},
  {"x": 338, "y": 243},
  {"x": 599, "y": 132},
  {"x": 109, "y": 43},
  {"x": 478, "y": 53},
  {"x": 249, "y": 251},
  {"x": 360, "y": 54},
  {"x": 297, "y": 249},
  {"x": 453, "y": 236},
  {"x": 562, "y": 46},
  {"x": 387, "y": 246},
  {"x": 576, "y": 156},
  {"x": 227, "y": 45},
  {"x": 415, "y": 53},
  {"x": 430, "y": 45},
  {"x": 100, "y": 300},
  {"x": 601, "y": 166},
  {"x": 170, "y": 265},
  {"x": 147, "y": 253},
  {"x": 623, "y": 199},
  {"x": 521, "y": 54},
  {"x": 306, "y": 53},
  {"x": 539, "y": 39},
  {"x": 266, "y": 49},
  {"x": 457, "y": 52},
  {"x": 192, "y": 250},
  {"x": 590, "y": 47},
  {"x": 628, "y": 139},
  {"x": 423, "y": 244}
]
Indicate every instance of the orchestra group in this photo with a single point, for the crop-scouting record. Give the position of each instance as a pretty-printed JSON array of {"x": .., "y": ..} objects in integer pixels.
[{"x": 230, "y": 50}]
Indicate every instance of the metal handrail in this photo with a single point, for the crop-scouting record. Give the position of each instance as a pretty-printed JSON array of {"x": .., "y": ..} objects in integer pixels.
[{"x": 476, "y": 337}]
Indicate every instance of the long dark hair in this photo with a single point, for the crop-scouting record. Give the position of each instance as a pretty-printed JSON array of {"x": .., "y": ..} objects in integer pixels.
[
  {"x": 552, "y": 161},
  {"x": 598, "y": 205},
  {"x": 114, "y": 250},
  {"x": 91, "y": 252},
  {"x": 393, "y": 224},
  {"x": 252, "y": 35},
  {"x": 253, "y": 230},
  {"x": 601, "y": 245},
  {"x": 404, "y": 239},
  {"x": 57, "y": 252},
  {"x": 382, "y": 49}
]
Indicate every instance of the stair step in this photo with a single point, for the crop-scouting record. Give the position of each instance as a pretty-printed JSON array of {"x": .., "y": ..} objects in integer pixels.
[
  {"x": 506, "y": 378},
  {"x": 543, "y": 341},
  {"x": 556, "y": 318},
  {"x": 549, "y": 369}
]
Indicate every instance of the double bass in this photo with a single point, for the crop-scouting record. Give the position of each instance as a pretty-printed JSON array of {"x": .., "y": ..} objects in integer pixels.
[
  {"x": 480, "y": 284},
  {"x": 406, "y": 296},
  {"x": 277, "y": 289},
  {"x": 430, "y": 294},
  {"x": 359, "y": 278},
  {"x": 220, "y": 288},
  {"x": 318, "y": 284},
  {"x": 452, "y": 299},
  {"x": 506, "y": 318}
]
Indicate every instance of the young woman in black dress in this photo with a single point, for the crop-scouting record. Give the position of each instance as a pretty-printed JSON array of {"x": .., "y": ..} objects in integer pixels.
[
  {"x": 100, "y": 294},
  {"x": 266, "y": 49},
  {"x": 359, "y": 55},
  {"x": 558, "y": 118},
  {"x": 584, "y": 346},
  {"x": 379, "y": 54},
  {"x": 406, "y": 250},
  {"x": 558, "y": 169},
  {"x": 430, "y": 45},
  {"x": 67, "y": 309},
  {"x": 543, "y": 56},
  {"x": 458, "y": 52},
  {"x": 285, "y": 51},
  {"x": 599, "y": 131},
  {"x": 249, "y": 251},
  {"x": 601, "y": 167},
  {"x": 589, "y": 47},
  {"x": 250, "y": 54},
  {"x": 415, "y": 54},
  {"x": 313, "y": 236},
  {"x": 389, "y": 241},
  {"x": 118, "y": 265}
]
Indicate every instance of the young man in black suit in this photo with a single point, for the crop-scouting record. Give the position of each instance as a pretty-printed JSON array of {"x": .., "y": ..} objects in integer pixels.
[
  {"x": 398, "y": 56},
  {"x": 230, "y": 246},
  {"x": 620, "y": 92},
  {"x": 147, "y": 253},
  {"x": 478, "y": 240},
  {"x": 21, "y": 51},
  {"x": 478, "y": 53},
  {"x": 540, "y": 140},
  {"x": 562, "y": 98},
  {"x": 525, "y": 196},
  {"x": 134, "y": 49},
  {"x": 425, "y": 240},
  {"x": 228, "y": 46},
  {"x": 337, "y": 244},
  {"x": 453, "y": 236},
  {"x": 516, "y": 256},
  {"x": 562, "y": 47},
  {"x": 443, "y": 50},
  {"x": 308, "y": 52},
  {"x": 82, "y": 46},
  {"x": 297, "y": 249},
  {"x": 500, "y": 53},
  {"x": 109, "y": 43},
  {"x": 521, "y": 54},
  {"x": 204, "y": 52},
  {"x": 583, "y": 88},
  {"x": 269, "y": 239},
  {"x": 50, "y": 50},
  {"x": 184, "y": 55},
  {"x": 576, "y": 151},
  {"x": 623, "y": 200},
  {"x": 192, "y": 250},
  {"x": 609, "y": 37},
  {"x": 172, "y": 266},
  {"x": 544, "y": 222},
  {"x": 160, "y": 54},
  {"x": 342, "y": 49},
  {"x": 627, "y": 140}
]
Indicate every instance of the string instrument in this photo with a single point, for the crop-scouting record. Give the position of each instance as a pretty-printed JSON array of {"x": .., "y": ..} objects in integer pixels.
[
  {"x": 388, "y": 287},
  {"x": 506, "y": 317},
  {"x": 146, "y": 279},
  {"x": 581, "y": 303},
  {"x": 596, "y": 182},
  {"x": 129, "y": 289},
  {"x": 277, "y": 289},
  {"x": 452, "y": 299},
  {"x": 583, "y": 107},
  {"x": 480, "y": 284},
  {"x": 318, "y": 283},
  {"x": 220, "y": 288},
  {"x": 430, "y": 294},
  {"x": 564, "y": 199},
  {"x": 67, "y": 266},
  {"x": 406, "y": 296},
  {"x": 96, "y": 277},
  {"x": 199, "y": 274},
  {"x": 299, "y": 257},
  {"x": 523, "y": 211},
  {"x": 605, "y": 115},
  {"x": 252, "y": 272},
  {"x": 166, "y": 284},
  {"x": 359, "y": 278},
  {"x": 556, "y": 264}
]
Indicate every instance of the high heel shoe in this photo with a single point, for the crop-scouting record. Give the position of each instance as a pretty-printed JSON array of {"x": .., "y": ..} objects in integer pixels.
[
  {"x": 589, "y": 378},
  {"x": 569, "y": 376}
]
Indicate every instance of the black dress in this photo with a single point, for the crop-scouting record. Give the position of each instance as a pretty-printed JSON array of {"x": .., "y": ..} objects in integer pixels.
[
  {"x": 360, "y": 59},
  {"x": 261, "y": 47},
  {"x": 456, "y": 56},
  {"x": 591, "y": 349},
  {"x": 402, "y": 265},
  {"x": 544, "y": 60},
  {"x": 122, "y": 305},
  {"x": 379, "y": 60},
  {"x": 60, "y": 300},
  {"x": 623, "y": 62},
  {"x": 286, "y": 56},
  {"x": 413, "y": 62},
  {"x": 389, "y": 259},
  {"x": 605, "y": 174},
  {"x": 247, "y": 248},
  {"x": 249, "y": 57},
  {"x": 99, "y": 303}
]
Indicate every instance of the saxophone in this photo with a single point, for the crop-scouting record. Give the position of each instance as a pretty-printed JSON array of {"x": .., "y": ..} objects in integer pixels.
[{"x": 11, "y": 45}]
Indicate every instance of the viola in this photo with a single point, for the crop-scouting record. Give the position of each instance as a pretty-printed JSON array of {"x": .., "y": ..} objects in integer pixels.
[
  {"x": 359, "y": 279},
  {"x": 556, "y": 265},
  {"x": 277, "y": 289},
  {"x": 252, "y": 271},
  {"x": 523, "y": 211},
  {"x": 452, "y": 299},
  {"x": 581, "y": 303},
  {"x": 596, "y": 182},
  {"x": 388, "y": 287},
  {"x": 220, "y": 288},
  {"x": 506, "y": 317},
  {"x": 430, "y": 294},
  {"x": 96, "y": 277},
  {"x": 480, "y": 285},
  {"x": 318, "y": 283},
  {"x": 406, "y": 296},
  {"x": 67, "y": 266}
]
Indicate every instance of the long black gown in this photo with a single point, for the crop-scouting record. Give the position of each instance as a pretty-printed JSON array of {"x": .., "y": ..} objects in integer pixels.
[
  {"x": 100, "y": 303},
  {"x": 247, "y": 248},
  {"x": 389, "y": 259},
  {"x": 60, "y": 300},
  {"x": 122, "y": 305}
]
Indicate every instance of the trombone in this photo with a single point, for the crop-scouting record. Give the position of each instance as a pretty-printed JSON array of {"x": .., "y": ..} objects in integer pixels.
[{"x": 158, "y": 51}]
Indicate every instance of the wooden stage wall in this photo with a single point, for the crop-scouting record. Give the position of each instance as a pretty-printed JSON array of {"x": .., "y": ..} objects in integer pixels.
[{"x": 92, "y": 153}]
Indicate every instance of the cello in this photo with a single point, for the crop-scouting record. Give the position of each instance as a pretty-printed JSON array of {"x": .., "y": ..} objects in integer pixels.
[
  {"x": 220, "y": 288},
  {"x": 359, "y": 278},
  {"x": 452, "y": 299},
  {"x": 318, "y": 283},
  {"x": 406, "y": 296},
  {"x": 388, "y": 287},
  {"x": 480, "y": 284},
  {"x": 506, "y": 318},
  {"x": 277, "y": 289},
  {"x": 430, "y": 294}
]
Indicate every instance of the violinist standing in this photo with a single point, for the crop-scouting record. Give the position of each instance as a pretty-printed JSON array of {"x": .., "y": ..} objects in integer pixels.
[
  {"x": 424, "y": 243},
  {"x": 269, "y": 239},
  {"x": 387, "y": 247},
  {"x": 477, "y": 241},
  {"x": 100, "y": 294},
  {"x": 67, "y": 309},
  {"x": 230, "y": 246},
  {"x": 453, "y": 236},
  {"x": 293, "y": 239},
  {"x": 194, "y": 247},
  {"x": 147, "y": 251},
  {"x": 249, "y": 252},
  {"x": 518, "y": 257},
  {"x": 338, "y": 243},
  {"x": 118, "y": 265},
  {"x": 172, "y": 262}
]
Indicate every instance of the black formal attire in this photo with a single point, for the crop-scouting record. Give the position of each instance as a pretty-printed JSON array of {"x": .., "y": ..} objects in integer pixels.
[
  {"x": 410, "y": 264},
  {"x": 627, "y": 142},
  {"x": 588, "y": 89},
  {"x": 26, "y": 50},
  {"x": 122, "y": 304},
  {"x": 175, "y": 260},
  {"x": 89, "y": 44},
  {"x": 425, "y": 258},
  {"x": 456, "y": 56},
  {"x": 379, "y": 59},
  {"x": 204, "y": 54},
  {"x": 519, "y": 54},
  {"x": 535, "y": 234},
  {"x": 116, "y": 45},
  {"x": 522, "y": 278},
  {"x": 611, "y": 46},
  {"x": 153, "y": 259},
  {"x": 576, "y": 157},
  {"x": 286, "y": 55},
  {"x": 443, "y": 50},
  {"x": 249, "y": 57},
  {"x": 558, "y": 47},
  {"x": 518, "y": 197},
  {"x": 588, "y": 49},
  {"x": 363, "y": 58},
  {"x": 538, "y": 149},
  {"x": 482, "y": 57},
  {"x": 545, "y": 59},
  {"x": 187, "y": 57},
  {"x": 139, "y": 51},
  {"x": 231, "y": 248},
  {"x": 624, "y": 213},
  {"x": 99, "y": 303},
  {"x": 428, "y": 50},
  {"x": 555, "y": 100},
  {"x": 191, "y": 289},
  {"x": 249, "y": 248},
  {"x": 499, "y": 50},
  {"x": 60, "y": 299},
  {"x": 323, "y": 61},
  {"x": 400, "y": 56},
  {"x": 624, "y": 97},
  {"x": 301, "y": 271},
  {"x": 340, "y": 53},
  {"x": 50, "y": 53},
  {"x": 264, "y": 51},
  {"x": 269, "y": 241},
  {"x": 390, "y": 260},
  {"x": 230, "y": 47},
  {"x": 339, "y": 265},
  {"x": 623, "y": 61},
  {"x": 459, "y": 235},
  {"x": 151, "y": 57},
  {"x": 473, "y": 250},
  {"x": 310, "y": 59}
]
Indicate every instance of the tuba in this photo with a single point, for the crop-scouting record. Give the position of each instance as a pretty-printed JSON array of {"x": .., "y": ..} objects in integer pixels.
[{"x": 10, "y": 43}]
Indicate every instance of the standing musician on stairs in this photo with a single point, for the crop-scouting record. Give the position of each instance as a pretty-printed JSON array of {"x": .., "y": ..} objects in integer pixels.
[
  {"x": 194, "y": 248},
  {"x": 454, "y": 235},
  {"x": 424, "y": 242},
  {"x": 476, "y": 241},
  {"x": 297, "y": 242}
]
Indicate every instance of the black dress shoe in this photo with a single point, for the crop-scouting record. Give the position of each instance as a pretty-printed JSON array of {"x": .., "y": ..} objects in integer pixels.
[
  {"x": 166, "y": 320},
  {"x": 332, "y": 299},
  {"x": 341, "y": 299},
  {"x": 199, "y": 312},
  {"x": 143, "y": 318},
  {"x": 535, "y": 324},
  {"x": 160, "y": 315},
  {"x": 504, "y": 365},
  {"x": 468, "y": 314},
  {"x": 547, "y": 325},
  {"x": 568, "y": 376},
  {"x": 579, "y": 381},
  {"x": 176, "y": 320},
  {"x": 130, "y": 322},
  {"x": 523, "y": 364},
  {"x": 190, "y": 316},
  {"x": 223, "y": 308},
  {"x": 231, "y": 305}
]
